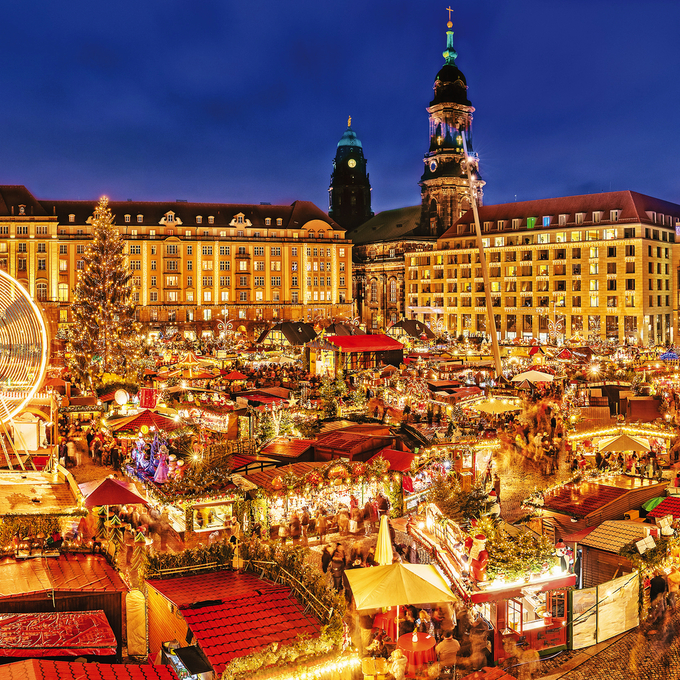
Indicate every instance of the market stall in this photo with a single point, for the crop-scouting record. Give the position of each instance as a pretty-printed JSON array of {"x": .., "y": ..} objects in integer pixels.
[
  {"x": 323, "y": 489},
  {"x": 525, "y": 600}
]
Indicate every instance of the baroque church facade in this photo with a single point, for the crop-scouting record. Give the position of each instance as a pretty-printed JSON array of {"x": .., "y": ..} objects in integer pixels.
[{"x": 381, "y": 241}]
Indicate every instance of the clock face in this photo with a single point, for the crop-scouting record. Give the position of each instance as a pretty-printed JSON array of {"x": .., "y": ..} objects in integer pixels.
[
  {"x": 433, "y": 165},
  {"x": 352, "y": 163}
]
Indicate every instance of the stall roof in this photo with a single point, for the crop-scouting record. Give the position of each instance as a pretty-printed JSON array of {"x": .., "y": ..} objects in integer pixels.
[
  {"x": 233, "y": 615},
  {"x": 400, "y": 461},
  {"x": 364, "y": 343},
  {"x": 56, "y": 634},
  {"x": 264, "y": 478},
  {"x": 241, "y": 460},
  {"x": 41, "y": 669},
  {"x": 587, "y": 497},
  {"x": 613, "y": 535},
  {"x": 288, "y": 448},
  {"x": 19, "y": 489},
  {"x": 75, "y": 572},
  {"x": 668, "y": 506}
]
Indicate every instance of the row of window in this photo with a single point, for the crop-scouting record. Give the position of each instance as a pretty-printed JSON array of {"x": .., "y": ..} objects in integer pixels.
[
  {"x": 612, "y": 301},
  {"x": 579, "y": 218}
]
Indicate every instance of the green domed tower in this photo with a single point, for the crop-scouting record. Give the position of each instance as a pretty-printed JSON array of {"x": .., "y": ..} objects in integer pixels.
[
  {"x": 445, "y": 194},
  {"x": 349, "y": 194}
]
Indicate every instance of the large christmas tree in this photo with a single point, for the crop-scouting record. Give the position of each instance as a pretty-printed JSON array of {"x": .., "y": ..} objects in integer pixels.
[{"x": 104, "y": 335}]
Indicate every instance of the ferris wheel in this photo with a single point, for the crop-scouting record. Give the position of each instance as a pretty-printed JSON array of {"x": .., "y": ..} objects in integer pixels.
[{"x": 24, "y": 348}]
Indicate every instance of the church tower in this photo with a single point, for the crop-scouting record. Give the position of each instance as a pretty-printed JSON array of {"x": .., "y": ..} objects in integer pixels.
[
  {"x": 444, "y": 188},
  {"x": 349, "y": 194}
]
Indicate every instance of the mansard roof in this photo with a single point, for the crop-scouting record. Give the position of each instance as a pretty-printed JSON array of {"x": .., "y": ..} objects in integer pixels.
[
  {"x": 388, "y": 225},
  {"x": 293, "y": 216},
  {"x": 633, "y": 207}
]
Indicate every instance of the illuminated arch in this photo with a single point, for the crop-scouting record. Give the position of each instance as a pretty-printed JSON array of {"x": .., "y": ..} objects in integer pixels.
[{"x": 24, "y": 347}]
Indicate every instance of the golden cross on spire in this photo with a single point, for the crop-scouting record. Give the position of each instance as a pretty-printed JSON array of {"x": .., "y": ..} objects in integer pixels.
[
  {"x": 349, "y": 122},
  {"x": 449, "y": 10}
]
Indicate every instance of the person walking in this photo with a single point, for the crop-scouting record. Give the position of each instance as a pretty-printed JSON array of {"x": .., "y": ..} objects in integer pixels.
[{"x": 338, "y": 566}]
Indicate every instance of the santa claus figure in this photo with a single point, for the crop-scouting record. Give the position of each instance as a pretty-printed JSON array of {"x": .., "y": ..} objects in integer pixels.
[{"x": 479, "y": 557}]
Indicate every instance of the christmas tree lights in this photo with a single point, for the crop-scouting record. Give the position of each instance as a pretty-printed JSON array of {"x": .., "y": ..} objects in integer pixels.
[{"x": 103, "y": 339}]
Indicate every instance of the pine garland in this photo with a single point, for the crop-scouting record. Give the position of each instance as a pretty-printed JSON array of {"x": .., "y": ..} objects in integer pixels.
[{"x": 103, "y": 339}]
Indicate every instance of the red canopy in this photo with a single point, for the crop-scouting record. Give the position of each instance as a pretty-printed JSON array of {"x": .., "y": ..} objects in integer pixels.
[
  {"x": 364, "y": 343},
  {"x": 113, "y": 492},
  {"x": 148, "y": 418},
  {"x": 56, "y": 634},
  {"x": 235, "y": 375}
]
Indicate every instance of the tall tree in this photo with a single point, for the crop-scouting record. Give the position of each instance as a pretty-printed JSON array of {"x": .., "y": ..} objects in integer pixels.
[{"x": 103, "y": 338}]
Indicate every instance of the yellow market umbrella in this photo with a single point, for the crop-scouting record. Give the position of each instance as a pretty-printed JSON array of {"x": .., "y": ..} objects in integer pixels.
[
  {"x": 496, "y": 406},
  {"x": 624, "y": 442},
  {"x": 383, "y": 548},
  {"x": 397, "y": 584},
  {"x": 534, "y": 377}
]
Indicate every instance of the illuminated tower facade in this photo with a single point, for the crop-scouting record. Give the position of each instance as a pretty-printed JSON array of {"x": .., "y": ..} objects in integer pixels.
[
  {"x": 349, "y": 194},
  {"x": 444, "y": 186}
]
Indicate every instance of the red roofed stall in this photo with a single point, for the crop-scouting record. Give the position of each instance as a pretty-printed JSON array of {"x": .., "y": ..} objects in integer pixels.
[
  {"x": 228, "y": 615},
  {"x": 69, "y": 583},
  {"x": 346, "y": 353},
  {"x": 42, "y": 669},
  {"x": 56, "y": 634}
]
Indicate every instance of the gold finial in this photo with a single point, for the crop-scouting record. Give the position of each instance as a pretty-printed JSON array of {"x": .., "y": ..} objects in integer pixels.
[{"x": 349, "y": 122}]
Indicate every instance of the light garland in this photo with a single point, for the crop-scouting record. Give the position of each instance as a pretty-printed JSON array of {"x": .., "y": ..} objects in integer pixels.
[{"x": 625, "y": 429}]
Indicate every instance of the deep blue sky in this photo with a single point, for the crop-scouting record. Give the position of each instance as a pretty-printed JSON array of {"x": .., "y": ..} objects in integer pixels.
[{"x": 216, "y": 100}]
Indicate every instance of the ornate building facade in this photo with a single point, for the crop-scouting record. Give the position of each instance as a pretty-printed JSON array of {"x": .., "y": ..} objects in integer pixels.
[
  {"x": 380, "y": 243},
  {"x": 444, "y": 185},
  {"x": 349, "y": 194},
  {"x": 599, "y": 267},
  {"x": 193, "y": 263}
]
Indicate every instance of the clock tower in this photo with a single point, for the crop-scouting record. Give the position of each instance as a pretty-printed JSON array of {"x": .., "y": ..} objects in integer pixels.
[
  {"x": 444, "y": 186},
  {"x": 349, "y": 194}
]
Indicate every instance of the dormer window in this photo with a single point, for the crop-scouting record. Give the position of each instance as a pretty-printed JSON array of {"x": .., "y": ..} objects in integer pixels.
[
  {"x": 211, "y": 220},
  {"x": 580, "y": 218},
  {"x": 547, "y": 219},
  {"x": 169, "y": 217},
  {"x": 140, "y": 219},
  {"x": 199, "y": 219},
  {"x": 22, "y": 210},
  {"x": 127, "y": 218},
  {"x": 614, "y": 215},
  {"x": 563, "y": 219},
  {"x": 239, "y": 219},
  {"x": 267, "y": 220},
  {"x": 279, "y": 221},
  {"x": 597, "y": 216}
]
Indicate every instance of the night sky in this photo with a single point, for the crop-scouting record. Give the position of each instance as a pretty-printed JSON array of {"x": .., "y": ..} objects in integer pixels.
[{"x": 215, "y": 100}]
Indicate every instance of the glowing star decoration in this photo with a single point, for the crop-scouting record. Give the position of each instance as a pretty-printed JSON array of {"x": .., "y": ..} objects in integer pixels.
[
  {"x": 225, "y": 328},
  {"x": 555, "y": 327},
  {"x": 23, "y": 347},
  {"x": 437, "y": 326}
]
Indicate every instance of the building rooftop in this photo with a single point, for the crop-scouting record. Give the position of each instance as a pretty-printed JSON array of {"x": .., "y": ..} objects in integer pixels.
[
  {"x": 34, "y": 493},
  {"x": 632, "y": 208},
  {"x": 583, "y": 498},
  {"x": 233, "y": 615},
  {"x": 614, "y": 535},
  {"x": 34, "y": 669},
  {"x": 72, "y": 572}
]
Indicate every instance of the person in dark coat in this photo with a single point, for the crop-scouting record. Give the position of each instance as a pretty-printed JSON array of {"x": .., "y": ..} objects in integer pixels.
[
  {"x": 295, "y": 528},
  {"x": 338, "y": 566},
  {"x": 326, "y": 556}
]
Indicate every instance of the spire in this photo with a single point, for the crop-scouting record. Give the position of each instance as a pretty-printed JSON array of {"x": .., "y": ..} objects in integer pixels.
[
  {"x": 449, "y": 53},
  {"x": 349, "y": 122}
]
